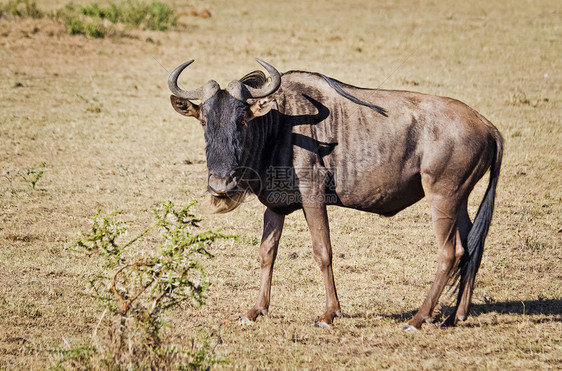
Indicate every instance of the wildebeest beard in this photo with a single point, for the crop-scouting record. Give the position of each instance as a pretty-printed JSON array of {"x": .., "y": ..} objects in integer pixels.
[{"x": 221, "y": 205}]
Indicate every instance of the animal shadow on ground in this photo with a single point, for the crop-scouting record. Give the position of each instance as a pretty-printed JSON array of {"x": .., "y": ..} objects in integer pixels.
[{"x": 522, "y": 307}]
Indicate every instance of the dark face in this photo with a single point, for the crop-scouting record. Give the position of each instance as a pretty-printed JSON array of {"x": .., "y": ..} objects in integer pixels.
[
  {"x": 224, "y": 114},
  {"x": 222, "y": 117},
  {"x": 226, "y": 121}
]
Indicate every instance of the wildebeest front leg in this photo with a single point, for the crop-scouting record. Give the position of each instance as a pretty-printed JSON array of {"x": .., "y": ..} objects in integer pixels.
[
  {"x": 317, "y": 220},
  {"x": 272, "y": 228}
]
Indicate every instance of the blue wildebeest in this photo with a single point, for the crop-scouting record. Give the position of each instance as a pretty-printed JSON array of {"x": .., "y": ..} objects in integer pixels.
[{"x": 367, "y": 149}]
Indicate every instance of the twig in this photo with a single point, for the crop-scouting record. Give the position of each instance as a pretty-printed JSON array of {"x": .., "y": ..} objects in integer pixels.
[{"x": 126, "y": 304}]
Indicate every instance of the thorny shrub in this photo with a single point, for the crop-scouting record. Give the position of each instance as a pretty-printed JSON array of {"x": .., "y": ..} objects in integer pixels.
[{"x": 137, "y": 286}]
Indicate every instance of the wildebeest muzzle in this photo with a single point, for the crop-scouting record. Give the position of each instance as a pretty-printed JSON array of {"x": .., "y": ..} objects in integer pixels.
[{"x": 223, "y": 186}]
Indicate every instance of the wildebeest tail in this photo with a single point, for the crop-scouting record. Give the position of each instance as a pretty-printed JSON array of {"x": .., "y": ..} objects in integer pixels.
[{"x": 470, "y": 262}]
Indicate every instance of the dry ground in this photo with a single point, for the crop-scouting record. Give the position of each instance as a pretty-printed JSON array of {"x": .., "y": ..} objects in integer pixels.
[{"x": 97, "y": 113}]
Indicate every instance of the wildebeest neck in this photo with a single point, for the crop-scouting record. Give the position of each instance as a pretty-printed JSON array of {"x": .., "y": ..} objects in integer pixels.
[{"x": 265, "y": 143}]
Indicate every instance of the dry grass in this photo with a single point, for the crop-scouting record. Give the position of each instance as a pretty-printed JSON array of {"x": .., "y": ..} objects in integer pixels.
[{"x": 97, "y": 113}]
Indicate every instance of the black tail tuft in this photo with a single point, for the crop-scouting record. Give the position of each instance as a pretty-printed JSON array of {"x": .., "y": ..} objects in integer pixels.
[{"x": 470, "y": 262}]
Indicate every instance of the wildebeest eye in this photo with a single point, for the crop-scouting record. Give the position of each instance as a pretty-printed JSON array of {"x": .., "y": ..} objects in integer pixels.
[{"x": 203, "y": 122}]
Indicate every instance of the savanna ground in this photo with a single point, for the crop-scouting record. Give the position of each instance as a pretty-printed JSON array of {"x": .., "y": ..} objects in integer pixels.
[{"x": 97, "y": 113}]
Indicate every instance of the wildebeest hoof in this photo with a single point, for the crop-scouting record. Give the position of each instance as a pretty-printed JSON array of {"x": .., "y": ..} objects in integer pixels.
[
  {"x": 322, "y": 324},
  {"x": 409, "y": 328},
  {"x": 245, "y": 321},
  {"x": 446, "y": 324},
  {"x": 449, "y": 322}
]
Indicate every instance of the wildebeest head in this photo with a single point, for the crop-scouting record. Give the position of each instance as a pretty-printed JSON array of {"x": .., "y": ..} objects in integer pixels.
[{"x": 224, "y": 115}]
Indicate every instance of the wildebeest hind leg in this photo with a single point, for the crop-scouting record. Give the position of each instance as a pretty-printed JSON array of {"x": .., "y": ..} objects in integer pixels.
[
  {"x": 444, "y": 214},
  {"x": 465, "y": 292},
  {"x": 272, "y": 228},
  {"x": 317, "y": 220}
]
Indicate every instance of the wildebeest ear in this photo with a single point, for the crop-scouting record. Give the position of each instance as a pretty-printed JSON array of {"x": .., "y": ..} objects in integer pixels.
[
  {"x": 261, "y": 107},
  {"x": 184, "y": 106}
]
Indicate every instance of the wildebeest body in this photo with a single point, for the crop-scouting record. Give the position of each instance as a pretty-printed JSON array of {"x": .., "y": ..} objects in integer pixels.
[
  {"x": 304, "y": 141},
  {"x": 377, "y": 160}
]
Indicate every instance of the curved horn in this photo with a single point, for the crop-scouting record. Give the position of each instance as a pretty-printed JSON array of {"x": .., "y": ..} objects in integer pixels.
[
  {"x": 271, "y": 87},
  {"x": 175, "y": 89}
]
